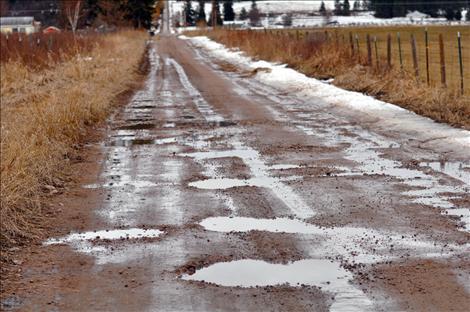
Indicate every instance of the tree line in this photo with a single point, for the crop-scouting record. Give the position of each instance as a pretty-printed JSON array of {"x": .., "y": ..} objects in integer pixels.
[
  {"x": 91, "y": 13},
  {"x": 193, "y": 17},
  {"x": 450, "y": 9}
]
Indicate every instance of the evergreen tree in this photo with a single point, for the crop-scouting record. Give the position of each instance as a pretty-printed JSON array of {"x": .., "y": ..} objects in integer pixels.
[
  {"x": 215, "y": 12},
  {"x": 229, "y": 14},
  {"x": 382, "y": 8},
  {"x": 201, "y": 14},
  {"x": 139, "y": 12},
  {"x": 287, "y": 20},
  {"x": 189, "y": 14},
  {"x": 254, "y": 14},
  {"x": 243, "y": 14},
  {"x": 346, "y": 11},
  {"x": 322, "y": 9},
  {"x": 338, "y": 9}
]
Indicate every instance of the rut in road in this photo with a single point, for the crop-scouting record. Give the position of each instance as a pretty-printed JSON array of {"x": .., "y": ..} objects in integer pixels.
[{"x": 214, "y": 183}]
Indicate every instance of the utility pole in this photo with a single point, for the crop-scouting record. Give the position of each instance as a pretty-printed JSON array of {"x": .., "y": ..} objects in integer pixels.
[{"x": 267, "y": 15}]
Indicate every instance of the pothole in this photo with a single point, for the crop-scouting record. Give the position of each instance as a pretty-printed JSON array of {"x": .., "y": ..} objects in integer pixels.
[
  {"x": 138, "y": 126},
  {"x": 324, "y": 274},
  {"x": 131, "y": 142}
]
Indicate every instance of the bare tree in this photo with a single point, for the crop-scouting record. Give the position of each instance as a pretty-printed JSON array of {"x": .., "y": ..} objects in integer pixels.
[
  {"x": 71, "y": 9},
  {"x": 3, "y": 7}
]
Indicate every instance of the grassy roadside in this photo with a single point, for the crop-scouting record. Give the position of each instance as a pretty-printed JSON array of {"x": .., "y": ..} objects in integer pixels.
[
  {"x": 44, "y": 114},
  {"x": 318, "y": 58}
]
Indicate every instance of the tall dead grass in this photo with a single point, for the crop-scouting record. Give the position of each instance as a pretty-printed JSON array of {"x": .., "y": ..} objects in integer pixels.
[
  {"x": 44, "y": 113},
  {"x": 317, "y": 57},
  {"x": 40, "y": 50}
]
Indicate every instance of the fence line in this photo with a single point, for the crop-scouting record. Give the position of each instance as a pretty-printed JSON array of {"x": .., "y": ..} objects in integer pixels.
[{"x": 372, "y": 43}]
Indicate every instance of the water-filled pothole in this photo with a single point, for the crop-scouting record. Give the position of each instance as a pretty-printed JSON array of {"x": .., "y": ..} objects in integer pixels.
[
  {"x": 131, "y": 142},
  {"x": 330, "y": 276},
  {"x": 138, "y": 126}
]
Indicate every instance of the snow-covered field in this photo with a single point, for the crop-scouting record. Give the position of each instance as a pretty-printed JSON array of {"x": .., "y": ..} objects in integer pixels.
[{"x": 303, "y": 14}]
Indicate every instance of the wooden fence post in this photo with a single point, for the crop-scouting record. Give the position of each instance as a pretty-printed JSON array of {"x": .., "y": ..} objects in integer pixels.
[
  {"x": 351, "y": 43},
  {"x": 399, "y": 50},
  {"x": 443, "y": 60},
  {"x": 389, "y": 51},
  {"x": 414, "y": 52},
  {"x": 459, "y": 39},
  {"x": 426, "y": 39},
  {"x": 376, "y": 52},
  {"x": 358, "y": 47},
  {"x": 369, "y": 51}
]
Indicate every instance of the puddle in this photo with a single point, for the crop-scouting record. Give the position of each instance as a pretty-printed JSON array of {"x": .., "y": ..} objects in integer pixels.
[
  {"x": 144, "y": 106},
  {"x": 260, "y": 178},
  {"x": 320, "y": 273},
  {"x": 456, "y": 170},
  {"x": 165, "y": 141},
  {"x": 354, "y": 244},
  {"x": 223, "y": 124},
  {"x": 242, "y": 224},
  {"x": 284, "y": 167},
  {"x": 139, "y": 126},
  {"x": 105, "y": 235},
  {"x": 169, "y": 125},
  {"x": 130, "y": 142},
  {"x": 365, "y": 150}
]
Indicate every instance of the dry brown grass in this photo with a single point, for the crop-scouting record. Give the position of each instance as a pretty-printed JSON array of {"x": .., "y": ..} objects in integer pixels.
[
  {"x": 40, "y": 50},
  {"x": 44, "y": 113},
  {"x": 449, "y": 34},
  {"x": 320, "y": 58}
]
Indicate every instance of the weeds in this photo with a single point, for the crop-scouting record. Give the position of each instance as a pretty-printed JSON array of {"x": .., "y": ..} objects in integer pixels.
[
  {"x": 44, "y": 114},
  {"x": 42, "y": 50}
]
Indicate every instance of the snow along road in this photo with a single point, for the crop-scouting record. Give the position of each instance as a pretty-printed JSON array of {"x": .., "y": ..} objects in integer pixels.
[{"x": 222, "y": 189}]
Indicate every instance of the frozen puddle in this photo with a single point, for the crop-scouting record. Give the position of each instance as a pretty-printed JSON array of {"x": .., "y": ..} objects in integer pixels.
[
  {"x": 313, "y": 272},
  {"x": 105, "y": 235}
]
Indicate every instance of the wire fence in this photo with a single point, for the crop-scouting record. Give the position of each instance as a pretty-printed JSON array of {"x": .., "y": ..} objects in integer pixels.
[{"x": 437, "y": 57}]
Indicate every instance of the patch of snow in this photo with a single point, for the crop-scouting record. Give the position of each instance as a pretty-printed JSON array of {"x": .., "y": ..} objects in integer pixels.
[{"x": 288, "y": 80}]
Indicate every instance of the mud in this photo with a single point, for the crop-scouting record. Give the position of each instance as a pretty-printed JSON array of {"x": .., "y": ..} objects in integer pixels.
[{"x": 239, "y": 196}]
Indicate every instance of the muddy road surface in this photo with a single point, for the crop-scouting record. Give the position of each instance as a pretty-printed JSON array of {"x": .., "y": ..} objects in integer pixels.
[{"x": 214, "y": 192}]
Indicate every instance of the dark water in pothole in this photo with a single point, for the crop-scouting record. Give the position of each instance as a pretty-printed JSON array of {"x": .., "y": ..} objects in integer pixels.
[
  {"x": 131, "y": 142},
  {"x": 138, "y": 126}
]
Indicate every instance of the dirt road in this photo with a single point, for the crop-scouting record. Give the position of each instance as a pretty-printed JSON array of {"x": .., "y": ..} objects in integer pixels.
[{"x": 214, "y": 192}]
